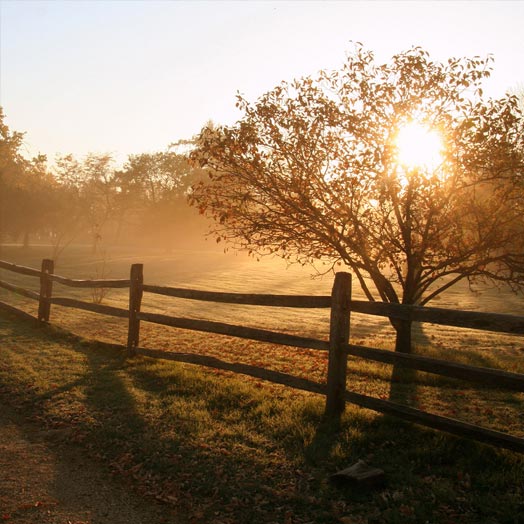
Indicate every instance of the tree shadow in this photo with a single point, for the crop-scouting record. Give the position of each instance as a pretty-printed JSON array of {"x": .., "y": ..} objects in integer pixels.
[
  {"x": 326, "y": 437},
  {"x": 403, "y": 385},
  {"x": 215, "y": 472},
  {"x": 404, "y": 381},
  {"x": 420, "y": 335},
  {"x": 105, "y": 389}
]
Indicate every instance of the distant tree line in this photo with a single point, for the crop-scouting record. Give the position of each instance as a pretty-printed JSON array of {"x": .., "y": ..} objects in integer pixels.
[{"x": 89, "y": 200}]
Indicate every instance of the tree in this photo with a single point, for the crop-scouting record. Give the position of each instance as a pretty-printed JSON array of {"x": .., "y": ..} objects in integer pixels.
[
  {"x": 312, "y": 171},
  {"x": 98, "y": 191},
  {"x": 68, "y": 219},
  {"x": 152, "y": 190},
  {"x": 31, "y": 199},
  {"x": 11, "y": 167},
  {"x": 24, "y": 187}
]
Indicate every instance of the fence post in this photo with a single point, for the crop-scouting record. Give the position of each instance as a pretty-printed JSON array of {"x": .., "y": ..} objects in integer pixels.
[
  {"x": 46, "y": 290},
  {"x": 338, "y": 338},
  {"x": 135, "y": 300}
]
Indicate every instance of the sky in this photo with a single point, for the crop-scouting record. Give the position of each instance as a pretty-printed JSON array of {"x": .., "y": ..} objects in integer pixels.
[{"x": 126, "y": 77}]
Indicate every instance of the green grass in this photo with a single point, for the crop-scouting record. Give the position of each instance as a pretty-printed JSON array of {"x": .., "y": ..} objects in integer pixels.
[
  {"x": 224, "y": 448},
  {"x": 229, "y": 449}
]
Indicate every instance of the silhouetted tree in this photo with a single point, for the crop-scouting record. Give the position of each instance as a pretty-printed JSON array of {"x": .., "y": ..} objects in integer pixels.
[{"x": 312, "y": 171}]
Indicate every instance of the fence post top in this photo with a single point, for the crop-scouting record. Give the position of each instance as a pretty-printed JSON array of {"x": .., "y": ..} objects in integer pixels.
[
  {"x": 137, "y": 271},
  {"x": 342, "y": 280},
  {"x": 48, "y": 265}
]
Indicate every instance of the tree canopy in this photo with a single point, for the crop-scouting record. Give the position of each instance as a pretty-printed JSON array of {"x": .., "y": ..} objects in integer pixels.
[
  {"x": 89, "y": 200},
  {"x": 312, "y": 171},
  {"x": 24, "y": 186}
]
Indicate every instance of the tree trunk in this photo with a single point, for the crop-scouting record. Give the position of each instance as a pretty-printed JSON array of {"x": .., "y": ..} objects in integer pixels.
[
  {"x": 402, "y": 378},
  {"x": 404, "y": 342}
]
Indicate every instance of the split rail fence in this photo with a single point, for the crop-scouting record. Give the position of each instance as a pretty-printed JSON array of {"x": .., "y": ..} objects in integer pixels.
[{"x": 338, "y": 346}]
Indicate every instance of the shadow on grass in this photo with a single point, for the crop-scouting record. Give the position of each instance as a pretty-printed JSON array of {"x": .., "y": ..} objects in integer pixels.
[
  {"x": 326, "y": 437},
  {"x": 188, "y": 438},
  {"x": 403, "y": 386},
  {"x": 99, "y": 369},
  {"x": 228, "y": 448}
]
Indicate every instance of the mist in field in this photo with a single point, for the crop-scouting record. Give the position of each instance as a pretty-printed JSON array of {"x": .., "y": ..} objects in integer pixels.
[{"x": 201, "y": 263}]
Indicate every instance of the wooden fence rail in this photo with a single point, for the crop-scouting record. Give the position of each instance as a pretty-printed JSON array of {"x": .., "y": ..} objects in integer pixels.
[
  {"x": 104, "y": 283},
  {"x": 294, "y": 301},
  {"x": 496, "y": 322},
  {"x": 208, "y": 326},
  {"x": 338, "y": 346}
]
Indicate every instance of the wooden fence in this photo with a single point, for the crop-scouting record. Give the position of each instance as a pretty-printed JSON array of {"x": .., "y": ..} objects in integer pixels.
[{"x": 338, "y": 345}]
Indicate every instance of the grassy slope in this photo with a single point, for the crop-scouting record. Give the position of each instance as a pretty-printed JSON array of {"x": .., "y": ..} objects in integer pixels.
[{"x": 231, "y": 449}]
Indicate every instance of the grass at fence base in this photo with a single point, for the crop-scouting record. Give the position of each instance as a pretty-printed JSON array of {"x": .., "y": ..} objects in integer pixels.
[{"x": 229, "y": 449}]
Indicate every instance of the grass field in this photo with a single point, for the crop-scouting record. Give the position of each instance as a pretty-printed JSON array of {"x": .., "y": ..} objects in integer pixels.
[{"x": 231, "y": 449}]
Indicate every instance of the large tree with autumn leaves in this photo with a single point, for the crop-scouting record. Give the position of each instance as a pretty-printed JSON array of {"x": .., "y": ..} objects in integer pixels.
[{"x": 313, "y": 171}]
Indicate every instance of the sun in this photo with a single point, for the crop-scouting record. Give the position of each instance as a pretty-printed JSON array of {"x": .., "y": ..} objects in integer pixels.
[{"x": 418, "y": 146}]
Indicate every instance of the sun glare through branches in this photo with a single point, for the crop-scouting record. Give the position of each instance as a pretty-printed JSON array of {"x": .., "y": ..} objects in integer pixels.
[{"x": 419, "y": 147}]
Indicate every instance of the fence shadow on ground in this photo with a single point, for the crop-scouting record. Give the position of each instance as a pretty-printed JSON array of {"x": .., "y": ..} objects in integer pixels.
[
  {"x": 340, "y": 304},
  {"x": 200, "y": 440}
]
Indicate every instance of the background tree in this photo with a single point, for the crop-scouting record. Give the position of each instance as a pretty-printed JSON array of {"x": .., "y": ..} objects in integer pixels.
[
  {"x": 312, "y": 172},
  {"x": 68, "y": 219},
  {"x": 98, "y": 192},
  {"x": 24, "y": 188},
  {"x": 88, "y": 200},
  {"x": 30, "y": 204},
  {"x": 151, "y": 198},
  {"x": 11, "y": 168}
]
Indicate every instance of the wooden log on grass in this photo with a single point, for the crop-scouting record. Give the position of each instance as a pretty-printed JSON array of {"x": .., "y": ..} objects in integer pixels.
[{"x": 359, "y": 474}]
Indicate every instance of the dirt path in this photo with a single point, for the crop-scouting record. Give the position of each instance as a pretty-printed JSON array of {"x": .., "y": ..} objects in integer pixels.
[{"x": 44, "y": 481}]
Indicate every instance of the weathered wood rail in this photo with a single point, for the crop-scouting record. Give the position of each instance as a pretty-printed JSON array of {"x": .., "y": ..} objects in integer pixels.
[{"x": 338, "y": 346}]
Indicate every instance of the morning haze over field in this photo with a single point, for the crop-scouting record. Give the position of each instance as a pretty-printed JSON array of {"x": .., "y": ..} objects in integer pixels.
[
  {"x": 245, "y": 246},
  {"x": 120, "y": 82}
]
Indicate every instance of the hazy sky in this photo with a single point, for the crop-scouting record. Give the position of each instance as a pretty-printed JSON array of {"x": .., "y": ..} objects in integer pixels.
[{"x": 132, "y": 76}]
